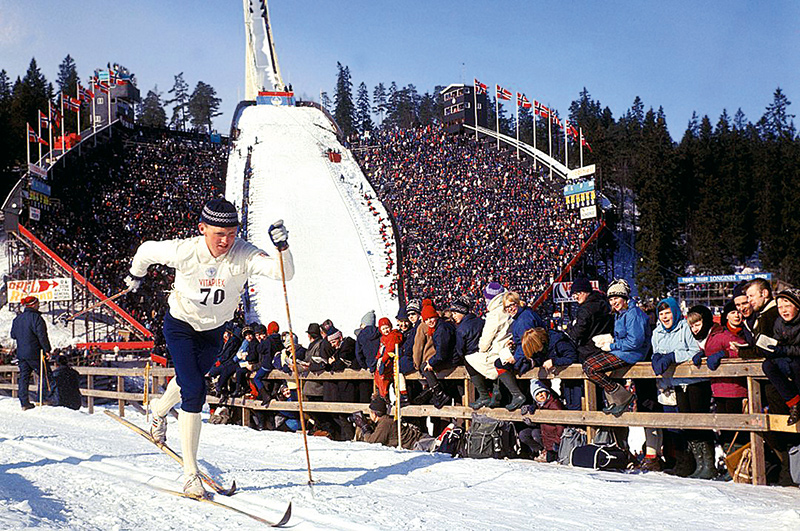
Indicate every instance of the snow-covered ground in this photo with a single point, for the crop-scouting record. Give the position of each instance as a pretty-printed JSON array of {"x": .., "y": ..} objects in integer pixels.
[
  {"x": 62, "y": 469},
  {"x": 335, "y": 240}
]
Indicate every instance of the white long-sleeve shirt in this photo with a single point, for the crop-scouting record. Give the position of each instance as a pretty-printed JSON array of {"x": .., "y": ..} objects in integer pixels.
[{"x": 207, "y": 290}]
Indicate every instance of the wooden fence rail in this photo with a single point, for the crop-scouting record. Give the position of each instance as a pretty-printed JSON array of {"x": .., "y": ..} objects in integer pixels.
[{"x": 755, "y": 421}]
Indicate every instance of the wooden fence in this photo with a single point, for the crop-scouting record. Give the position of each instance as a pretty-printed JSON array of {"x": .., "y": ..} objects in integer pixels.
[{"x": 755, "y": 420}]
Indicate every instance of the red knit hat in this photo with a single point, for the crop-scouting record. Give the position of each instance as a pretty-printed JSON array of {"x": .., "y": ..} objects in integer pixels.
[
  {"x": 30, "y": 301},
  {"x": 429, "y": 311},
  {"x": 273, "y": 328},
  {"x": 384, "y": 321}
]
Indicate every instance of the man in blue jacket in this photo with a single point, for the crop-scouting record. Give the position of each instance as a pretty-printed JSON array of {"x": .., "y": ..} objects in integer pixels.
[
  {"x": 629, "y": 344},
  {"x": 30, "y": 331}
]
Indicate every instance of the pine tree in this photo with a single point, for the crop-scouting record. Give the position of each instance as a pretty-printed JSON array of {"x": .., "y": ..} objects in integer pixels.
[
  {"x": 325, "y": 101},
  {"x": 344, "y": 110},
  {"x": 179, "y": 102},
  {"x": 391, "y": 104},
  {"x": 30, "y": 95},
  {"x": 203, "y": 107},
  {"x": 364, "y": 111},
  {"x": 427, "y": 109},
  {"x": 151, "y": 112},
  {"x": 379, "y": 102},
  {"x": 6, "y": 145}
]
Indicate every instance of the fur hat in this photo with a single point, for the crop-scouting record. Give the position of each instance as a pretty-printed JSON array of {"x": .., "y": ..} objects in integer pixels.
[
  {"x": 378, "y": 406},
  {"x": 580, "y": 285},
  {"x": 619, "y": 288},
  {"x": 461, "y": 305},
  {"x": 790, "y": 294},
  {"x": 220, "y": 213}
]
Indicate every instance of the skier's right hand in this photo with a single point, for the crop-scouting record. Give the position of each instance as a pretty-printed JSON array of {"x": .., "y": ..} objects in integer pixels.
[{"x": 133, "y": 282}]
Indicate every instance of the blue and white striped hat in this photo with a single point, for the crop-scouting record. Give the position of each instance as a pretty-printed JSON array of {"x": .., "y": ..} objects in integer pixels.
[{"x": 220, "y": 213}]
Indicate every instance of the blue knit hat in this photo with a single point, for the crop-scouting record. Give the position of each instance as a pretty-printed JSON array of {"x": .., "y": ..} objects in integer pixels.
[{"x": 220, "y": 213}]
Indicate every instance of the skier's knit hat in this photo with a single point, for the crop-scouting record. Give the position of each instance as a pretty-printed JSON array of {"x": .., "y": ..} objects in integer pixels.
[
  {"x": 220, "y": 213},
  {"x": 378, "y": 406},
  {"x": 790, "y": 294}
]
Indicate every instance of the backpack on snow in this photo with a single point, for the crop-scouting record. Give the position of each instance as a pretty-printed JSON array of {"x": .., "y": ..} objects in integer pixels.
[
  {"x": 599, "y": 456},
  {"x": 450, "y": 441},
  {"x": 488, "y": 437},
  {"x": 571, "y": 438}
]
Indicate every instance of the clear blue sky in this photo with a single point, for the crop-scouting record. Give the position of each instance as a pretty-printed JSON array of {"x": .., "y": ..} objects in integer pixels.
[{"x": 683, "y": 55}]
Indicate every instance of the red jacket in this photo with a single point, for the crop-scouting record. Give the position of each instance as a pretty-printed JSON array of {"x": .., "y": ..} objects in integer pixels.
[{"x": 720, "y": 338}]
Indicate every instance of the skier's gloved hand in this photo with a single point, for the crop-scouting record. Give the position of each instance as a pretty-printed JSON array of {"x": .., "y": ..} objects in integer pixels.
[
  {"x": 697, "y": 359},
  {"x": 714, "y": 359},
  {"x": 279, "y": 235},
  {"x": 133, "y": 282},
  {"x": 661, "y": 362}
]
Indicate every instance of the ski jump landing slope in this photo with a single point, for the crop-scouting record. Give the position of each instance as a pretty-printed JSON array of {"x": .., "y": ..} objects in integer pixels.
[{"x": 339, "y": 254}]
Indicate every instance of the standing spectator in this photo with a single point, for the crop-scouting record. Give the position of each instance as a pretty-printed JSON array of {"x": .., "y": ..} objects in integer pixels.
[
  {"x": 629, "y": 344},
  {"x": 387, "y": 353},
  {"x": 494, "y": 337},
  {"x": 67, "y": 385},
  {"x": 514, "y": 360},
  {"x": 368, "y": 339},
  {"x": 30, "y": 331}
]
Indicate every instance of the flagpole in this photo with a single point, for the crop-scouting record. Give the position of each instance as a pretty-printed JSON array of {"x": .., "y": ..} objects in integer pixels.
[
  {"x": 566, "y": 145},
  {"x": 39, "y": 116},
  {"x": 50, "y": 118},
  {"x": 475, "y": 107},
  {"x": 550, "y": 138},
  {"x": 94, "y": 112},
  {"x": 517, "y": 126},
  {"x": 108, "y": 99},
  {"x": 534, "y": 124},
  {"x": 28, "y": 148},
  {"x": 78, "y": 95},
  {"x": 581, "y": 144},
  {"x": 497, "y": 115},
  {"x": 63, "y": 125}
]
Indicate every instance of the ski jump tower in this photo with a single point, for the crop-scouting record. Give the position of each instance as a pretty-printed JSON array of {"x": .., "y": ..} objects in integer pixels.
[
  {"x": 287, "y": 162},
  {"x": 262, "y": 73}
]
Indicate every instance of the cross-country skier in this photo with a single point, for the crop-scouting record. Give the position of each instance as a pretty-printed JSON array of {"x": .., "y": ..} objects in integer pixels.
[{"x": 210, "y": 273}]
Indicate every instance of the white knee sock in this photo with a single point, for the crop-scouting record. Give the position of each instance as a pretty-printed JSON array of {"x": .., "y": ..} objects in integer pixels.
[
  {"x": 171, "y": 396},
  {"x": 653, "y": 438},
  {"x": 190, "y": 439}
]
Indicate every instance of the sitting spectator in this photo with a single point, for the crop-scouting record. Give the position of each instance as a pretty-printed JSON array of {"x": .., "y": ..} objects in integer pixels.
[
  {"x": 551, "y": 349},
  {"x": 629, "y": 344},
  {"x": 494, "y": 337},
  {"x": 269, "y": 344},
  {"x": 544, "y": 436},
  {"x": 512, "y": 359},
  {"x": 287, "y": 420},
  {"x": 782, "y": 366},
  {"x": 433, "y": 351},
  {"x": 593, "y": 317},
  {"x": 67, "y": 392},
  {"x": 469, "y": 328}
]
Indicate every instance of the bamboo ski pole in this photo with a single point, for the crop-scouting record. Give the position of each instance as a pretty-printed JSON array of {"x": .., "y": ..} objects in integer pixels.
[
  {"x": 296, "y": 372},
  {"x": 397, "y": 415},
  {"x": 96, "y": 305},
  {"x": 147, "y": 391},
  {"x": 41, "y": 375}
]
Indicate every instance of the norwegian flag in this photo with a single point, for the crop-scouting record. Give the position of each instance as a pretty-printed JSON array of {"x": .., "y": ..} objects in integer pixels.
[
  {"x": 70, "y": 103},
  {"x": 522, "y": 101},
  {"x": 540, "y": 109},
  {"x": 102, "y": 86},
  {"x": 585, "y": 143},
  {"x": 55, "y": 117},
  {"x": 33, "y": 137},
  {"x": 571, "y": 131},
  {"x": 85, "y": 94},
  {"x": 554, "y": 118},
  {"x": 44, "y": 121},
  {"x": 480, "y": 88},
  {"x": 503, "y": 94}
]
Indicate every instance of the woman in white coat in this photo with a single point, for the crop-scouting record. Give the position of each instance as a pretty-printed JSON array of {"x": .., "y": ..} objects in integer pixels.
[{"x": 494, "y": 338}]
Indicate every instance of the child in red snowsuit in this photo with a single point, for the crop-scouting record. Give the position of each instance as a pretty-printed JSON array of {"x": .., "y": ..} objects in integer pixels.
[{"x": 390, "y": 343}]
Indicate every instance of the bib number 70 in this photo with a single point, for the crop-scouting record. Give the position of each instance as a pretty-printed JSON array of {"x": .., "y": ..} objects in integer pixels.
[{"x": 219, "y": 296}]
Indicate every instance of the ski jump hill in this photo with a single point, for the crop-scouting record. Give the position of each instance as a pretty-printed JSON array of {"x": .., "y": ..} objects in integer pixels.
[{"x": 284, "y": 165}]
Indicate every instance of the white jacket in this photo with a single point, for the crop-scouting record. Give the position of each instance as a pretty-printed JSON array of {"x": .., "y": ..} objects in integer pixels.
[
  {"x": 496, "y": 329},
  {"x": 207, "y": 290}
]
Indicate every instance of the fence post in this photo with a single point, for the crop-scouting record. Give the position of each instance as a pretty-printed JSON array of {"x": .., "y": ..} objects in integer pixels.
[
  {"x": 90, "y": 386},
  {"x": 245, "y": 415},
  {"x": 121, "y": 389},
  {"x": 15, "y": 383},
  {"x": 589, "y": 404},
  {"x": 758, "y": 472}
]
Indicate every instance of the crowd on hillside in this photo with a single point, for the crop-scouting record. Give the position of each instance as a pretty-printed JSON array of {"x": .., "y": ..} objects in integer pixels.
[
  {"x": 469, "y": 214},
  {"x": 609, "y": 332},
  {"x": 138, "y": 188}
]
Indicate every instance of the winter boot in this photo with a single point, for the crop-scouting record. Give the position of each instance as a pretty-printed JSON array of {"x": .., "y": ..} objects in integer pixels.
[
  {"x": 704, "y": 455},
  {"x": 495, "y": 400},
  {"x": 794, "y": 415},
  {"x": 684, "y": 464},
  {"x": 423, "y": 397},
  {"x": 651, "y": 464},
  {"x": 158, "y": 429},
  {"x": 620, "y": 399},
  {"x": 263, "y": 394},
  {"x": 482, "y": 398},
  {"x": 193, "y": 487},
  {"x": 517, "y": 398},
  {"x": 440, "y": 398}
]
